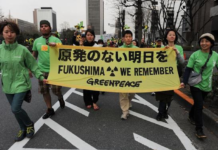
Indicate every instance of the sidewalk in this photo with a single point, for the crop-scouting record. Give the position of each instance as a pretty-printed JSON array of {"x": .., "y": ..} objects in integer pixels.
[{"x": 210, "y": 119}]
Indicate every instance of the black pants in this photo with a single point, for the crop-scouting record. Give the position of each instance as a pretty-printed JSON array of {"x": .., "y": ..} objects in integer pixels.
[
  {"x": 90, "y": 97},
  {"x": 163, "y": 107},
  {"x": 196, "y": 110}
]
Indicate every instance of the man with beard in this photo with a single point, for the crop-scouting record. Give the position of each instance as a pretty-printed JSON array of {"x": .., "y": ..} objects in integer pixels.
[{"x": 41, "y": 48}]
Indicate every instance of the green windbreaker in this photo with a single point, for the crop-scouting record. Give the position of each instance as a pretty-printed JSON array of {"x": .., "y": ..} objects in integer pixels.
[{"x": 15, "y": 60}]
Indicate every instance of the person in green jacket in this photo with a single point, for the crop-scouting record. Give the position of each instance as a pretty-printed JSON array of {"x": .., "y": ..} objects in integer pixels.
[
  {"x": 15, "y": 60},
  {"x": 125, "y": 98}
]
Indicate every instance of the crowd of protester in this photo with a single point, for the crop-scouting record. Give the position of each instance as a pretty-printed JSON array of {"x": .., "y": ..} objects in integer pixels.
[{"x": 17, "y": 64}]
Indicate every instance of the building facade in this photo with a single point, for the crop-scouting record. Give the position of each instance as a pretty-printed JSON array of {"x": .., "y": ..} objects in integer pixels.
[
  {"x": 26, "y": 26},
  {"x": 45, "y": 13},
  {"x": 95, "y": 15},
  {"x": 205, "y": 21}
]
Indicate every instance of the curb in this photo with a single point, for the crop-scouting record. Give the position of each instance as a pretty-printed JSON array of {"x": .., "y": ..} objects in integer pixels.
[{"x": 210, "y": 119}]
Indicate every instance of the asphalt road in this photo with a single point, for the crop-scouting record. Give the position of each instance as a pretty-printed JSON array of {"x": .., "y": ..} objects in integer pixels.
[{"x": 76, "y": 127}]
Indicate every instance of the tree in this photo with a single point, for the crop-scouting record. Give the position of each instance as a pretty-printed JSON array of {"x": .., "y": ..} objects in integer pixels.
[
  {"x": 1, "y": 15},
  {"x": 145, "y": 18},
  {"x": 119, "y": 13},
  {"x": 185, "y": 12},
  {"x": 166, "y": 14},
  {"x": 65, "y": 25},
  {"x": 66, "y": 33},
  {"x": 138, "y": 5}
]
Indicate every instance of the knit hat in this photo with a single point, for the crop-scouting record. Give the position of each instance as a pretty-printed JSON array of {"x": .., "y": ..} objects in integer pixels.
[
  {"x": 45, "y": 22},
  {"x": 209, "y": 37}
]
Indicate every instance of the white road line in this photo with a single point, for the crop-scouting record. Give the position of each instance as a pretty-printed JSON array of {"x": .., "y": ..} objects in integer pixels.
[
  {"x": 76, "y": 108},
  {"x": 180, "y": 134},
  {"x": 78, "y": 93},
  {"x": 176, "y": 129},
  {"x": 66, "y": 95},
  {"x": 144, "y": 102},
  {"x": 160, "y": 123},
  {"x": 38, "y": 125},
  {"x": 70, "y": 137},
  {"x": 171, "y": 124},
  {"x": 46, "y": 149},
  {"x": 148, "y": 143},
  {"x": 79, "y": 143},
  {"x": 79, "y": 110},
  {"x": 21, "y": 144}
]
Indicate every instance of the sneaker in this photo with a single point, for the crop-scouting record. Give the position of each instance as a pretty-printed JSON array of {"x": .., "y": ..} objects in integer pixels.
[
  {"x": 30, "y": 131},
  {"x": 191, "y": 120},
  {"x": 200, "y": 134},
  {"x": 50, "y": 112},
  {"x": 159, "y": 117},
  {"x": 20, "y": 136},
  {"x": 62, "y": 103},
  {"x": 125, "y": 115},
  {"x": 153, "y": 94}
]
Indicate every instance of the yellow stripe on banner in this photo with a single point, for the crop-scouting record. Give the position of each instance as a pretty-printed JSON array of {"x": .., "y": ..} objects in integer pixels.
[
  {"x": 107, "y": 48},
  {"x": 130, "y": 70}
]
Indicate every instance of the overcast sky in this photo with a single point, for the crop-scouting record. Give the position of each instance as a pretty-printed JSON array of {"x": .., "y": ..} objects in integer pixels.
[{"x": 71, "y": 11}]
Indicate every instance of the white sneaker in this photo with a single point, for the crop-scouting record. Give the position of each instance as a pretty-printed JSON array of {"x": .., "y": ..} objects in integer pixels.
[{"x": 125, "y": 115}]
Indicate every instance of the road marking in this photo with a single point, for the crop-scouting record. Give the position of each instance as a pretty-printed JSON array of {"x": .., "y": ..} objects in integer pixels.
[
  {"x": 79, "y": 110},
  {"x": 176, "y": 129},
  {"x": 171, "y": 124},
  {"x": 47, "y": 149},
  {"x": 66, "y": 95},
  {"x": 148, "y": 143},
  {"x": 160, "y": 123},
  {"x": 67, "y": 135},
  {"x": 78, "y": 93},
  {"x": 21, "y": 144},
  {"x": 41, "y": 122}
]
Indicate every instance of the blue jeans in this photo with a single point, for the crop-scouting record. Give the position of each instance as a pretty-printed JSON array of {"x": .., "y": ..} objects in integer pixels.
[{"x": 16, "y": 101}]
